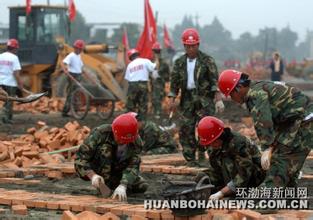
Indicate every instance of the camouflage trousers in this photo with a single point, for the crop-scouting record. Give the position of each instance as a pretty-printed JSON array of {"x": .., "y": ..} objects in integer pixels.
[
  {"x": 139, "y": 185},
  {"x": 70, "y": 89},
  {"x": 191, "y": 113},
  {"x": 7, "y": 110},
  {"x": 137, "y": 98},
  {"x": 169, "y": 149},
  {"x": 158, "y": 94},
  {"x": 287, "y": 161}
]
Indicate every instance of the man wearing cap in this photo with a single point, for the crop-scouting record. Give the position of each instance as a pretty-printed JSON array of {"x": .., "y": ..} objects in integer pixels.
[
  {"x": 10, "y": 79},
  {"x": 195, "y": 75},
  {"x": 137, "y": 75}
]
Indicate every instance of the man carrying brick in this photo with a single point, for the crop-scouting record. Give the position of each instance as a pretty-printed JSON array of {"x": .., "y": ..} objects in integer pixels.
[
  {"x": 110, "y": 155},
  {"x": 234, "y": 160}
]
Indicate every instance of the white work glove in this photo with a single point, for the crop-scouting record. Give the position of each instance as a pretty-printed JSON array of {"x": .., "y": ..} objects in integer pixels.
[
  {"x": 155, "y": 74},
  {"x": 96, "y": 179},
  {"x": 216, "y": 196},
  {"x": 120, "y": 192},
  {"x": 266, "y": 158},
  {"x": 219, "y": 106}
]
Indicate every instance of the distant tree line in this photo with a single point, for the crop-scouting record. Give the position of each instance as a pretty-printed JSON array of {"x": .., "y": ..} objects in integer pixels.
[{"x": 215, "y": 39}]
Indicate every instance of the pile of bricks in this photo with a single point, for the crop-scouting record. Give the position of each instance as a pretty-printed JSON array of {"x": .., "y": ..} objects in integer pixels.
[
  {"x": 42, "y": 105},
  {"x": 31, "y": 149}
]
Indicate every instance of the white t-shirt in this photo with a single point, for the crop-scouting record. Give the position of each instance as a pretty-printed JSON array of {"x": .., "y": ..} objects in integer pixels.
[
  {"x": 74, "y": 63},
  {"x": 9, "y": 63},
  {"x": 138, "y": 70},
  {"x": 190, "y": 70}
]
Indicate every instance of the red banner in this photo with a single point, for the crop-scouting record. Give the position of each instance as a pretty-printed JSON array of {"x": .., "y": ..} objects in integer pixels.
[
  {"x": 149, "y": 34},
  {"x": 168, "y": 43},
  {"x": 28, "y": 6},
  {"x": 71, "y": 10}
]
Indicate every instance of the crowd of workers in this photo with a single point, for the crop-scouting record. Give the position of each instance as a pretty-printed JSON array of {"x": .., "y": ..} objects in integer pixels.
[{"x": 281, "y": 113}]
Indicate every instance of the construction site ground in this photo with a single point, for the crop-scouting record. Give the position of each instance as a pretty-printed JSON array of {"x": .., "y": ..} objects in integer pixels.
[{"x": 46, "y": 197}]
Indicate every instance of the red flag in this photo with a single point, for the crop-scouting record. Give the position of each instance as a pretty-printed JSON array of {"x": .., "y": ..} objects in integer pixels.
[
  {"x": 71, "y": 10},
  {"x": 125, "y": 44},
  {"x": 28, "y": 6},
  {"x": 168, "y": 43},
  {"x": 149, "y": 34},
  {"x": 125, "y": 39}
]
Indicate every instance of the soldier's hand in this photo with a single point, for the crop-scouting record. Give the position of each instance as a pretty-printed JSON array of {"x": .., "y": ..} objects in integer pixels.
[
  {"x": 120, "y": 192},
  {"x": 219, "y": 106},
  {"x": 96, "y": 179},
  {"x": 266, "y": 158},
  {"x": 216, "y": 196}
]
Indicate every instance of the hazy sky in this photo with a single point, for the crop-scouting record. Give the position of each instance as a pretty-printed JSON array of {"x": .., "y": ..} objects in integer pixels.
[{"x": 237, "y": 16}]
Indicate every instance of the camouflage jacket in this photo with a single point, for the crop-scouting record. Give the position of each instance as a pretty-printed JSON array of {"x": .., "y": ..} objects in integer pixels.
[
  {"x": 205, "y": 76},
  {"x": 277, "y": 110},
  {"x": 99, "y": 153},
  {"x": 238, "y": 161},
  {"x": 164, "y": 72},
  {"x": 153, "y": 137}
]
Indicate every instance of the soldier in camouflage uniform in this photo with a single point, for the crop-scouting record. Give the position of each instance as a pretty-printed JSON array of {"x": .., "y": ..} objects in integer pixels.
[
  {"x": 234, "y": 160},
  {"x": 195, "y": 74},
  {"x": 155, "y": 140},
  {"x": 111, "y": 155},
  {"x": 160, "y": 77},
  {"x": 282, "y": 120},
  {"x": 137, "y": 75}
]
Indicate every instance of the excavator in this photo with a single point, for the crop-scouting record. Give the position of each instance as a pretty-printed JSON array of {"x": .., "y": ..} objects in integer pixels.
[{"x": 43, "y": 37}]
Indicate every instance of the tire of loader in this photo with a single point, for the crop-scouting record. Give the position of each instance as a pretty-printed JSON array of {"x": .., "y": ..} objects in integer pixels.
[
  {"x": 80, "y": 104},
  {"x": 106, "y": 109}
]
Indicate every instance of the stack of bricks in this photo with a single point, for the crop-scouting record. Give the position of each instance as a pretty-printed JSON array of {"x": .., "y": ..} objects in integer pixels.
[{"x": 31, "y": 149}]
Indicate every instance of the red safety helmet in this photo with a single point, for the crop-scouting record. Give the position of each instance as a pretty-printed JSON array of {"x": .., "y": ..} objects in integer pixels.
[
  {"x": 228, "y": 80},
  {"x": 80, "y": 44},
  {"x": 13, "y": 43},
  {"x": 190, "y": 36},
  {"x": 125, "y": 128},
  {"x": 156, "y": 46},
  {"x": 132, "y": 52},
  {"x": 209, "y": 129}
]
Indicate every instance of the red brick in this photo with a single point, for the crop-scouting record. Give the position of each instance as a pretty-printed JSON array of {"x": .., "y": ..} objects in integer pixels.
[
  {"x": 53, "y": 205},
  {"x": 248, "y": 214},
  {"x": 40, "y": 204},
  {"x": 19, "y": 209},
  {"x": 54, "y": 174},
  {"x": 30, "y": 154},
  {"x": 109, "y": 216},
  {"x": 155, "y": 214},
  {"x": 87, "y": 215},
  {"x": 68, "y": 215},
  {"x": 138, "y": 217},
  {"x": 76, "y": 207}
]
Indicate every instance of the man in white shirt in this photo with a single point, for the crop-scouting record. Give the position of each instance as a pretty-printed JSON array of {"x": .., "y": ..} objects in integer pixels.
[
  {"x": 73, "y": 65},
  {"x": 137, "y": 75},
  {"x": 10, "y": 79}
]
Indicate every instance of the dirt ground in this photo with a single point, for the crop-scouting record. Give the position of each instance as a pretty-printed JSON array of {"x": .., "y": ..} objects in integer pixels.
[{"x": 73, "y": 185}]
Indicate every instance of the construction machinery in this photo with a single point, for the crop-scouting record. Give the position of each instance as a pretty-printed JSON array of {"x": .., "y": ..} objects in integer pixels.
[{"x": 42, "y": 36}]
